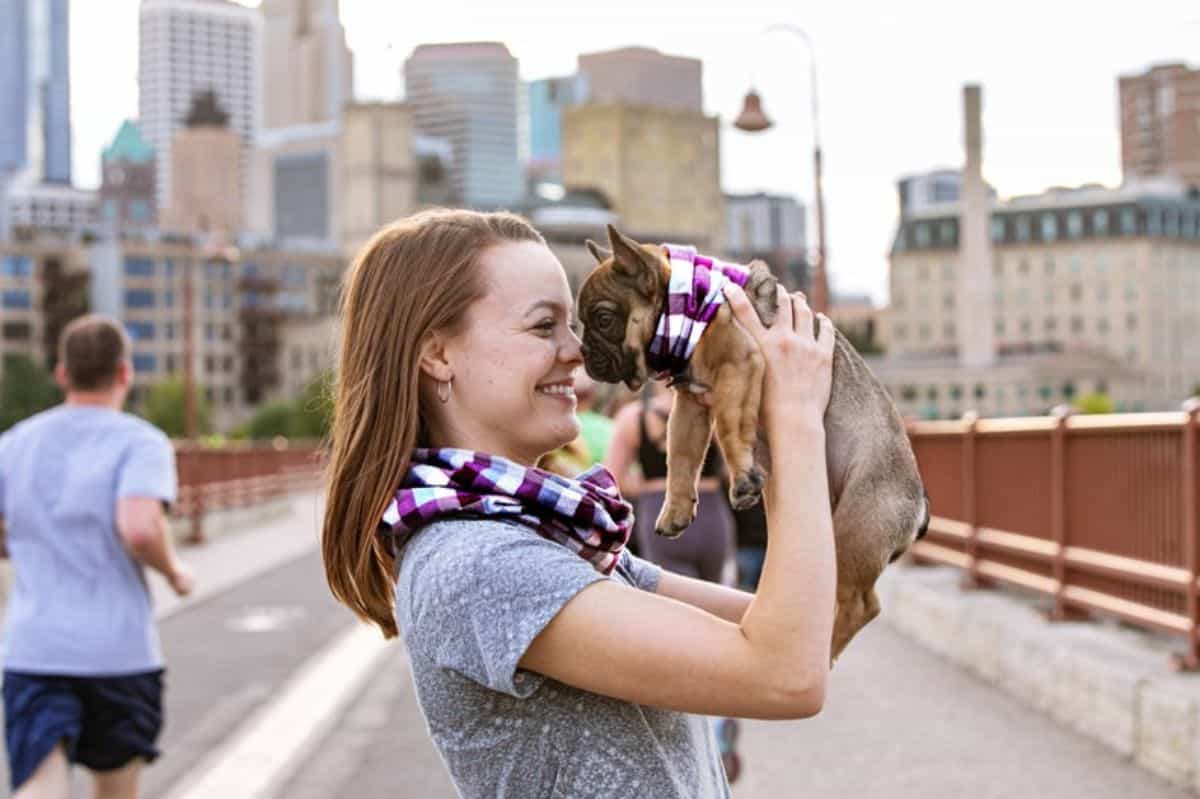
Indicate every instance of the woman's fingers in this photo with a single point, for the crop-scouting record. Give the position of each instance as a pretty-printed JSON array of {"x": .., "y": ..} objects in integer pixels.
[
  {"x": 743, "y": 311},
  {"x": 825, "y": 336}
]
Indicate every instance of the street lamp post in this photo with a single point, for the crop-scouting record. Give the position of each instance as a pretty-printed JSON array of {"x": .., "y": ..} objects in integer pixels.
[{"x": 752, "y": 119}]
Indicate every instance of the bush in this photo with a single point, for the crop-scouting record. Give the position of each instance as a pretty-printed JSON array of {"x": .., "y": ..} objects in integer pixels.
[
  {"x": 308, "y": 416},
  {"x": 25, "y": 389},
  {"x": 163, "y": 408},
  {"x": 1096, "y": 402}
]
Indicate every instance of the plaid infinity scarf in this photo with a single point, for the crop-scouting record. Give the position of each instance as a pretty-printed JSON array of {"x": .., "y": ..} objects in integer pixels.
[
  {"x": 694, "y": 294},
  {"x": 586, "y": 515}
]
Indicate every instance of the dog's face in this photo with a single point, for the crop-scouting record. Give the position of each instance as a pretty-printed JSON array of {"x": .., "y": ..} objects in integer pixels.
[{"x": 619, "y": 304}]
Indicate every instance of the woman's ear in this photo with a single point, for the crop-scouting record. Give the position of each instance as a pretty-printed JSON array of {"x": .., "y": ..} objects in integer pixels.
[{"x": 434, "y": 360}]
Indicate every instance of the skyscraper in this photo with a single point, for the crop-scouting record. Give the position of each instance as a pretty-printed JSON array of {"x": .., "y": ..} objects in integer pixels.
[
  {"x": 306, "y": 63},
  {"x": 192, "y": 46},
  {"x": 642, "y": 76},
  {"x": 1160, "y": 123},
  {"x": 547, "y": 99},
  {"x": 35, "y": 127},
  {"x": 466, "y": 93}
]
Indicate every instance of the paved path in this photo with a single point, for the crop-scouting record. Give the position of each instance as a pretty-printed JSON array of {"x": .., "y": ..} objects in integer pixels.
[{"x": 899, "y": 722}]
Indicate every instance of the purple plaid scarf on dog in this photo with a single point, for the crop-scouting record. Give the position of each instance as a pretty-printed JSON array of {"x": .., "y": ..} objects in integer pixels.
[
  {"x": 586, "y": 515},
  {"x": 694, "y": 294}
]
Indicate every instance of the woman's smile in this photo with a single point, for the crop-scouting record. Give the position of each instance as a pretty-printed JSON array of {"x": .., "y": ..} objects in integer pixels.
[{"x": 562, "y": 389}]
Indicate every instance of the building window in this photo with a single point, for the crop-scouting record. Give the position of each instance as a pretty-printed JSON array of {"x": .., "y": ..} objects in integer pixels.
[
  {"x": 16, "y": 331},
  {"x": 1022, "y": 228},
  {"x": 1100, "y": 222},
  {"x": 1171, "y": 224},
  {"x": 1128, "y": 222},
  {"x": 1068, "y": 390},
  {"x": 999, "y": 327},
  {"x": 946, "y": 233},
  {"x": 931, "y": 393},
  {"x": 144, "y": 362},
  {"x": 1045, "y": 392},
  {"x": 139, "y": 211},
  {"x": 140, "y": 331},
  {"x": 16, "y": 266},
  {"x": 1154, "y": 222},
  {"x": 139, "y": 298},
  {"x": 16, "y": 299},
  {"x": 171, "y": 364},
  {"x": 997, "y": 228},
  {"x": 1050, "y": 324},
  {"x": 1102, "y": 325},
  {"x": 980, "y": 391},
  {"x": 948, "y": 300},
  {"x": 921, "y": 234},
  {"x": 1076, "y": 264},
  {"x": 1076, "y": 292},
  {"x": 169, "y": 268},
  {"x": 1077, "y": 324},
  {"x": 1049, "y": 227},
  {"x": 169, "y": 299},
  {"x": 139, "y": 267},
  {"x": 209, "y": 364},
  {"x": 956, "y": 392},
  {"x": 948, "y": 330},
  {"x": 1026, "y": 327},
  {"x": 908, "y": 393},
  {"x": 1075, "y": 224}
]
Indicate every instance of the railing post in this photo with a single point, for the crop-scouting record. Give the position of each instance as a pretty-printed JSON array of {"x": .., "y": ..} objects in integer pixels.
[
  {"x": 1190, "y": 660},
  {"x": 1058, "y": 511},
  {"x": 969, "y": 496}
]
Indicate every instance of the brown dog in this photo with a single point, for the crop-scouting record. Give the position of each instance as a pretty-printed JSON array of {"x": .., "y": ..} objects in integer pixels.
[{"x": 879, "y": 502}]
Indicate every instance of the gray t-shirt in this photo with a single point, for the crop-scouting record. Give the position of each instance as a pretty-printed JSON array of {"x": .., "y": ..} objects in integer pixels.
[
  {"x": 79, "y": 604},
  {"x": 471, "y": 596}
]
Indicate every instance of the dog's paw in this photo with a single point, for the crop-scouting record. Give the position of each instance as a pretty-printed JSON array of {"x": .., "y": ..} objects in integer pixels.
[
  {"x": 747, "y": 489},
  {"x": 674, "y": 518}
]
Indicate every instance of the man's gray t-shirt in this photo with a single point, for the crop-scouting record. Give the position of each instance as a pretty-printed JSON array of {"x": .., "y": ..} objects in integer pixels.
[
  {"x": 79, "y": 604},
  {"x": 471, "y": 596}
]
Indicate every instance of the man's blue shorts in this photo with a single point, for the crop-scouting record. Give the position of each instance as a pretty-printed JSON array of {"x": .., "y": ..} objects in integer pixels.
[{"x": 102, "y": 722}]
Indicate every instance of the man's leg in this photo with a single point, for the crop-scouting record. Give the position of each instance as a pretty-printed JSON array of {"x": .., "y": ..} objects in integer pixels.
[
  {"x": 51, "y": 779},
  {"x": 121, "y": 783}
]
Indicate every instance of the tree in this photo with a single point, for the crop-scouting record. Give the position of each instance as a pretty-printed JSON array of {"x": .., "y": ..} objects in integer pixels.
[
  {"x": 1096, "y": 402},
  {"x": 163, "y": 408},
  {"x": 25, "y": 389},
  {"x": 307, "y": 416},
  {"x": 1196, "y": 390}
]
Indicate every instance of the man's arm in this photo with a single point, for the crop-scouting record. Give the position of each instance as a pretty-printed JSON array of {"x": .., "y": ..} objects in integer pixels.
[{"x": 143, "y": 527}]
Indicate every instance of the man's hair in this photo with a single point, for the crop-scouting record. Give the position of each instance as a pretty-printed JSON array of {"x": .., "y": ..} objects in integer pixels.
[{"x": 91, "y": 349}]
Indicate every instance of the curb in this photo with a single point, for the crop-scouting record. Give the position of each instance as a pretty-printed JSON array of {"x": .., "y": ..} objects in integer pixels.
[{"x": 1108, "y": 683}]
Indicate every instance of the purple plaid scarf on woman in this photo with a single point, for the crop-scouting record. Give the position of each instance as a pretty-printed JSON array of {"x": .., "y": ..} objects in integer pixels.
[
  {"x": 694, "y": 294},
  {"x": 586, "y": 515}
]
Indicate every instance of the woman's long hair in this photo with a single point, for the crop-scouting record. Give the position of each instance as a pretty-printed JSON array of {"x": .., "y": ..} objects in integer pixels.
[{"x": 416, "y": 276}]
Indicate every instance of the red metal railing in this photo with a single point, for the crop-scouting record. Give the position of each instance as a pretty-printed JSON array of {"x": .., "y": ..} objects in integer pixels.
[
  {"x": 1098, "y": 512},
  {"x": 239, "y": 475}
]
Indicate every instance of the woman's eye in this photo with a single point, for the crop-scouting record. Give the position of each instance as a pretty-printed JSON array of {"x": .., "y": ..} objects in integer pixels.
[{"x": 546, "y": 326}]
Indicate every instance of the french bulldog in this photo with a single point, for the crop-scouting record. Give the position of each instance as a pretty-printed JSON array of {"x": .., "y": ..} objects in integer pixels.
[{"x": 879, "y": 503}]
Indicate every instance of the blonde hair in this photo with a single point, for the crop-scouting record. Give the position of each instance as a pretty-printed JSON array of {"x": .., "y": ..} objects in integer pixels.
[{"x": 416, "y": 276}]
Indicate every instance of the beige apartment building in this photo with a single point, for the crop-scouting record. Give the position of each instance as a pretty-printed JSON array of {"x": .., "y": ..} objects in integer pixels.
[
  {"x": 241, "y": 304},
  {"x": 43, "y": 285},
  {"x": 1093, "y": 289},
  {"x": 1160, "y": 123},
  {"x": 659, "y": 169}
]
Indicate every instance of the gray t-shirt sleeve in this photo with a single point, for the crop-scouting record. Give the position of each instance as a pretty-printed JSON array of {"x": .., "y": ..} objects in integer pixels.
[
  {"x": 473, "y": 594},
  {"x": 148, "y": 469},
  {"x": 645, "y": 575}
]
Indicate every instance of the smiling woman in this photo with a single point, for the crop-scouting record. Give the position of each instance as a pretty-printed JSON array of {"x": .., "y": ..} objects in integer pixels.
[{"x": 531, "y": 631}]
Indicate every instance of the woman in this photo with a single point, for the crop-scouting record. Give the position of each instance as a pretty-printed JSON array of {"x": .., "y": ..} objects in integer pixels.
[
  {"x": 547, "y": 660},
  {"x": 707, "y": 549}
]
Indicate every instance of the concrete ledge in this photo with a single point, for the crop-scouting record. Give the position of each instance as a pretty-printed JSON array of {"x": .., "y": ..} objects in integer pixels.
[{"x": 1101, "y": 679}]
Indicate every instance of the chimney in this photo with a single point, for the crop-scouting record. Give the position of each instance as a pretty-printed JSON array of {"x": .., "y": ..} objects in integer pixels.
[{"x": 976, "y": 310}]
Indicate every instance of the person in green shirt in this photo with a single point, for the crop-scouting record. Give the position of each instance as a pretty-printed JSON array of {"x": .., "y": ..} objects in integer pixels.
[{"x": 595, "y": 427}]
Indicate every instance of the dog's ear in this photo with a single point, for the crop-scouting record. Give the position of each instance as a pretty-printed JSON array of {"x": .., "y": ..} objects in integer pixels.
[
  {"x": 631, "y": 262},
  {"x": 599, "y": 253}
]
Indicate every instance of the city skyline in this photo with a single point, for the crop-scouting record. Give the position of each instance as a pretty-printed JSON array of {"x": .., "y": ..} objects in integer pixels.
[{"x": 888, "y": 88}]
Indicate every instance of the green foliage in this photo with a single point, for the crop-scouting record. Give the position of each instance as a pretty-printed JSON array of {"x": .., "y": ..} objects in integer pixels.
[
  {"x": 306, "y": 417},
  {"x": 163, "y": 408},
  {"x": 866, "y": 345},
  {"x": 1095, "y": 402},
  {"x": 1196, "y": 390},
  {"x": 25, "y": 389}
]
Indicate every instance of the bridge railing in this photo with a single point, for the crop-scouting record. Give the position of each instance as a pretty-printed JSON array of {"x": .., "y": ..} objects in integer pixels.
[
  {"x": 238, "y": 475},
  {"x": 1098, "y": 512}
]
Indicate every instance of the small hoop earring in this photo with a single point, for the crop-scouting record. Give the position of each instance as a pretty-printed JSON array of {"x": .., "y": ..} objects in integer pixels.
[{"x": 446, "y": 397}]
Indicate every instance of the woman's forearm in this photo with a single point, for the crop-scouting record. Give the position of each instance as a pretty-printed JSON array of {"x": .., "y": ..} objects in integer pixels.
[{"x": 791, "y": 617}]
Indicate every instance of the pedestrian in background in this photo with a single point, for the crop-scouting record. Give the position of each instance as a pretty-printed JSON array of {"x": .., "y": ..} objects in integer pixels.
[{"x": 83, "y": 493}]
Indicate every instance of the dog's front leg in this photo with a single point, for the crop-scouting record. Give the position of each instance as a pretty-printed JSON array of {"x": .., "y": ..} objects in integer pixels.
[
  {"x": 689, "y": 429},
  {"x": 736, "y": 406}
]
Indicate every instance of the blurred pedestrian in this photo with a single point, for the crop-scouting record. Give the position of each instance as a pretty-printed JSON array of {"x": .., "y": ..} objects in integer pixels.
[
  {"x": 595, "y": 427},
  {"x": 83, "y": 488},
  {"x": 706, "y": 550},
  {"x": 751, "y": 526},
  {"x": 547, "y": 659}
]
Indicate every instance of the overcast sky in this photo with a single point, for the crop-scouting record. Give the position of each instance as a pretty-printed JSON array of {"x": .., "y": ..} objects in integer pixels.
[{"x": 890, "y": 78}]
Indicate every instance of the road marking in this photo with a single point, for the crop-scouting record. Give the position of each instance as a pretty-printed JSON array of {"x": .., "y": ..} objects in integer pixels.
[{"x": 265, "y": 747}]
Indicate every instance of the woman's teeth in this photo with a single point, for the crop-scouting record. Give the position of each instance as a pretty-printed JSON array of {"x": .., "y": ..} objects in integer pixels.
[{"x": 565, "y": 391}]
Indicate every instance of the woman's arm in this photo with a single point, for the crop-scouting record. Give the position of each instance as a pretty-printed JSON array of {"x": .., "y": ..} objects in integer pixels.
[
  {"x": 774, "y": 661},
  {"x": 723, "y": 602},
  {"x": 622, "y": 449}
]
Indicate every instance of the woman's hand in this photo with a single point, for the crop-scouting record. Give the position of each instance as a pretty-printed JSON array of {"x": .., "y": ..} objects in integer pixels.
[{"x": 799, "y": 369}]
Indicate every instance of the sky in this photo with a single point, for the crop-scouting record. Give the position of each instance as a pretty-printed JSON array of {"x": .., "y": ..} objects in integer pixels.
[{"x": 890, "y": 77}]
